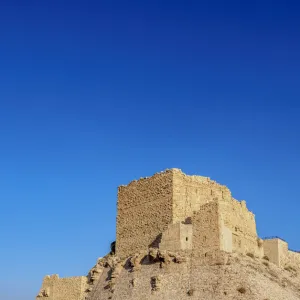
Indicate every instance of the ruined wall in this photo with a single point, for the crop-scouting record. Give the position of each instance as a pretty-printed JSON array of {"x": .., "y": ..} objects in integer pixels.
[
  {"x": 177, "y": 237},
  {"x": 283, "y": 249},
  {"x": 242, "y": 223},
  {"x": 287, "y": 258},
  {"x": 226, "y": 238},
  {"x": 147, "y": 206},
  {"x": 271, "y": 250},
  {"x": 210, "y": 236},
  {"x": 55, "y": 288},
  {"x": 191, "y": 192},
  {"x": 293, "y": 259},
  {"x": 144, "y": 211},
  {"x": 206, "y": 229},
  {"x": 278, "y": 253}
]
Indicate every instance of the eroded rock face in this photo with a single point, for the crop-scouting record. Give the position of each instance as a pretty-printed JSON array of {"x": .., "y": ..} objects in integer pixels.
[
  {"x": 161, "y": 274},
  {"x": 154, "y": 255},
  {"x": 136, "y": 260},
  {"x": 44, "y": 293},
  {"x": 156, "y": 283}
]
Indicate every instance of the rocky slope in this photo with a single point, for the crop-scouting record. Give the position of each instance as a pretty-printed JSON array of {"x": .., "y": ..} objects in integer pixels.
[{"x": 177, "y": 276}]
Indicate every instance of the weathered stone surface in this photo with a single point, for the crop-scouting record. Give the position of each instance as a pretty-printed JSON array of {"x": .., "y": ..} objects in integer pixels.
[
  {"x": 55, "y": 288},
  {"x": 227, "y": 276},
  {"x": 156, "y": 210},
  {"x": 144, "y": 211}
]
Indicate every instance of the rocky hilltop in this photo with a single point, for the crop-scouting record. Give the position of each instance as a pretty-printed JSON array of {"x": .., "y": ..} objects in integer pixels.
[{"x": 165, "y": 275}]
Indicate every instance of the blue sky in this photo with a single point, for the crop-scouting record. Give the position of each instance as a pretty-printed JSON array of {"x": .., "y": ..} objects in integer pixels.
[{"x": 95, "y": 94}]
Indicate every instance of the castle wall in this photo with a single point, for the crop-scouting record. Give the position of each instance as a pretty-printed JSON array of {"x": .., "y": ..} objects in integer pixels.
[
  {"x": 294, "y": 259},
  {"x": 177, "y": 237},
  {"x": 283, "y": 253},
  {"x": 206, "y": 229},
  {"x": 186, "y": 236},
  {"x": 147, "y": 206},
  {"x": 278, "y": 253},
  {"x": 276, "y": 250},
  {"x": 191, "y": 192},
  {"x": 144, "y": 212},
  {"x": 226, "y": 238},
  {"x": 241, "y": 222},
  {"x": 55, "y": 288}
]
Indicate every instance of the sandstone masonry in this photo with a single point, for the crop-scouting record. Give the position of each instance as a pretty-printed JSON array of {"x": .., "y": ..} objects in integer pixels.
[{"x": 147, "y": 207}]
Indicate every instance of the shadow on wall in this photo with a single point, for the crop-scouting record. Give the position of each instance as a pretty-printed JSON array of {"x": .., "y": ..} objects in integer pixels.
[
  {"x": 156, "y": 242},
  {"x": 113, "y": 248}
]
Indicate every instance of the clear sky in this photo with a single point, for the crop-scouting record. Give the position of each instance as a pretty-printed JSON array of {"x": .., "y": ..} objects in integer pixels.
[{"x": 95, "y": 94}]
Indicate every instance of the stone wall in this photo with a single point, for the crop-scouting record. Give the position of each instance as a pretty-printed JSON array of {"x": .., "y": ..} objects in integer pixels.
[
  {"x": 278, "y": 253},
  {"x": 206, "y": 229},
  {"x": 55, "y": 288},
  {"x": 293, "y": 259},
  {"x": 144, "y": 212},
  {"x": 191, "y": 192},
  {"x": 146, "y": 207},
  {"x": 271, "y": 250},
  {"x": 283, "y": 250},
  {"x": 177, "y": 237},
  {"x": 241, "y": 222},
  {"x": 226, "y": 238}
]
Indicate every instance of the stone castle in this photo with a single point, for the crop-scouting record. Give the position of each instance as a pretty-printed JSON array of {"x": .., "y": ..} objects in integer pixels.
[{"x": 171, "y": 212}]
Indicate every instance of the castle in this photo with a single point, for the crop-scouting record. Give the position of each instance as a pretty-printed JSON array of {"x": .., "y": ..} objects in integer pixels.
[{"x": 175, "y": 212}]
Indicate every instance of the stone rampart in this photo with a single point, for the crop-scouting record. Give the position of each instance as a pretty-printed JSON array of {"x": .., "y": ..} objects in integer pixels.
[
  {"x": 177, "y": 237},
  {"x": 191, "y": 192},
  {"x": 144, "y": 212},
  {"x": 278, "y": 253},
  {"x": 293, "y": 259},
  {"x": 242, "y": 224},
  {"x": 206, "y": 229},
  {"x": 55, "y": 288}
]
